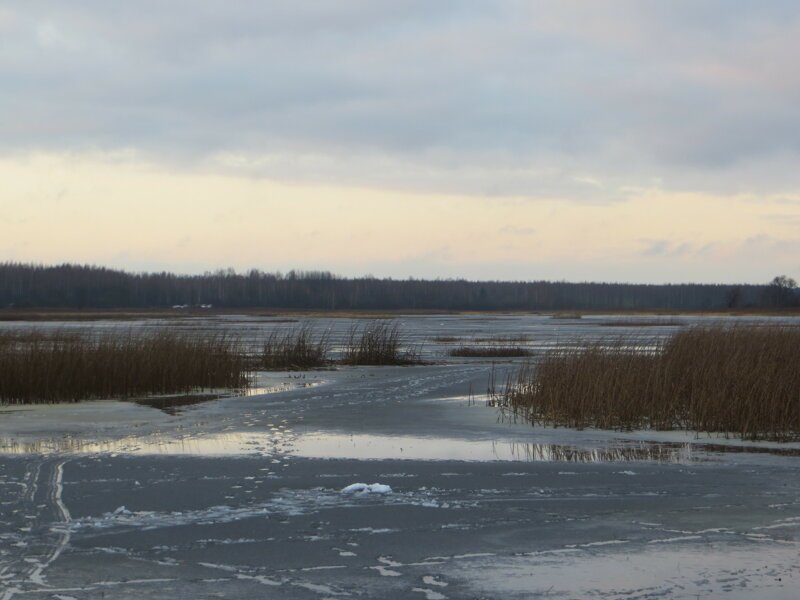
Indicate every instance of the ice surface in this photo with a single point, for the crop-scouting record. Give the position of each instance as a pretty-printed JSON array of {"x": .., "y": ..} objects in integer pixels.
[{"x": 157, "y": 501}]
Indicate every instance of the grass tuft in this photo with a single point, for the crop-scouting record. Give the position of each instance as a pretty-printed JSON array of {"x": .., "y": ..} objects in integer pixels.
[
  {"x": 377, "y": 343},
  {"x": 294, "y": 350}
]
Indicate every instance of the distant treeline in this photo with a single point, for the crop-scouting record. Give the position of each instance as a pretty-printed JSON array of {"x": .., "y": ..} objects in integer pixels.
[{"x": 75, "y": 286}]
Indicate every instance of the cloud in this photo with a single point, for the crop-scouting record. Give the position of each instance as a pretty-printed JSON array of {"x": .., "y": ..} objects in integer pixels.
[
  {"x": 665, "y": 248},
  {"x": 762, "y": 244},
  {"x": 526, "y": 98}
]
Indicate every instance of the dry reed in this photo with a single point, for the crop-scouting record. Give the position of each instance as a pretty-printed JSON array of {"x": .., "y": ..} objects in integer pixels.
[
  {"x": 505, "y": 339},
  {"x": 40, "y": 367},
  {"x": 295, "y": 349},
  {"x": 490, "y": 352},
  {"x": 377, "y": 343},
  {"x": 739, "y": 380}
]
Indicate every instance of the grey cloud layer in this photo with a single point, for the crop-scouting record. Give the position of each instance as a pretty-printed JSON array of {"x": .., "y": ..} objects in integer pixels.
[{"x": 517, "y": 97}]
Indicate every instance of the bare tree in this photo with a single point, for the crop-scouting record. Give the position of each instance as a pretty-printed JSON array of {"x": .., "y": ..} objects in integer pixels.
[{"x": 781, "y": 292}]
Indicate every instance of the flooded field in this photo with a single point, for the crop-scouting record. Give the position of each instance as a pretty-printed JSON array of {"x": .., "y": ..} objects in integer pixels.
[{"x": 242, "y": 497}]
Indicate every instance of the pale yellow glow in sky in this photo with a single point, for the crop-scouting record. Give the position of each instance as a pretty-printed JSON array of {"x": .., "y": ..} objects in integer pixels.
[{"x": 129, "y": 214}]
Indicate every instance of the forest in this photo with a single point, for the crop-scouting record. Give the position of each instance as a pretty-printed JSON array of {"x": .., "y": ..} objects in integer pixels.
[{"x": 71, "y": 286}]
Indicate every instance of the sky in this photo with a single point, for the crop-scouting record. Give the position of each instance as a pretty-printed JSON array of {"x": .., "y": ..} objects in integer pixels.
[{"x": 625, "y": 140}]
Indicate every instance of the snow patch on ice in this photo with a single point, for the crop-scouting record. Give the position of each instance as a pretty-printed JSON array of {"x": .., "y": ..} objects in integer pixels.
[
  {"x": 320, "y": 589},
  {"x": 595, "y": 544},
  {"x": 386, "y": 571},
  {"x": 790, "y": 522},
  {"x": 429, "y": 594},
  {"x": 373, "y": 530},
  {"x": 363, "y": 489},
  {"x": 680, "y": 538}
]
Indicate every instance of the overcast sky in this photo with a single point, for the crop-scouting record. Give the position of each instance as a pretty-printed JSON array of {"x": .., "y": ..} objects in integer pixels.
[{"x": 625, "y": 140}]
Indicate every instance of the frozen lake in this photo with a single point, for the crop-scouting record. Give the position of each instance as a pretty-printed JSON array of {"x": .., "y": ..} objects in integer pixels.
[{"x": 241, "y": 497}]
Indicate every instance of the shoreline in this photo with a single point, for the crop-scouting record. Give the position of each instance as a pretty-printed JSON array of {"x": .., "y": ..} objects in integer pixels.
[{"x": 132, "y": 314}]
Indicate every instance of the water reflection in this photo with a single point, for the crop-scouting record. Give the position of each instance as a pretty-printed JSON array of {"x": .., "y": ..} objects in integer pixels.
[
  {"x": 660, "y": 453},
  {"x": 220, "y": 444},
  {"x": 173, "y": 404},
  {"x": 372, "y": 447},
  {"x": 281, "y": 441}
]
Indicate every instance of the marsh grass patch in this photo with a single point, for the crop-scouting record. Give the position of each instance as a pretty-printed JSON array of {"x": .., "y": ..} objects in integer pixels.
[
  {"x": 491, "y": 352},
  {"x": 378, "y": 343},
  {"x": 294, "y": 350},
  {"x": 45, "y": 367},
  {"x": 740, "y": 380}
]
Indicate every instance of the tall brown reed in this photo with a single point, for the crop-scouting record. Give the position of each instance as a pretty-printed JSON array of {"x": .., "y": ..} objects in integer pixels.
[
  {"x": 739, "y": 380},
  {"x": 377, "y": 343},
  {"x": 38, "y": 367},
  {"x": 295, "y": 349}
]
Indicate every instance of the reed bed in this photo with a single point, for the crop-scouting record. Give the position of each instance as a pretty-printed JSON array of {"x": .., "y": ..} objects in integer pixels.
[
  {"x": 377, "y": 343},
  {"x": 505, "y": 339},
  {"x": 739, "y": 380},
  {"x": 42, "y": 367},
  {"x": 446, "y": 339},
  {"x": 372, "y": 343},
  {"x": 294, "y": 350},
  {"x": 490, "y": 352}
]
